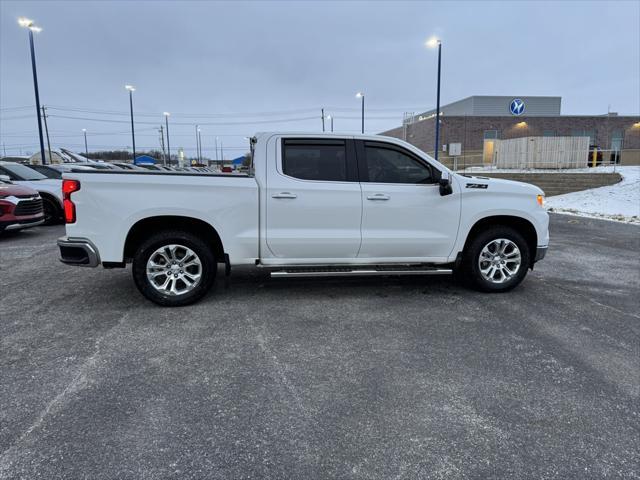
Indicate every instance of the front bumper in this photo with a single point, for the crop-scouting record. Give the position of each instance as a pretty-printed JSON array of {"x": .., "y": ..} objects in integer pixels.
[
  {"x": 20, "y": 224},
  {"x": 79, "y": 252},
  {"x": 540, "y": 253}
]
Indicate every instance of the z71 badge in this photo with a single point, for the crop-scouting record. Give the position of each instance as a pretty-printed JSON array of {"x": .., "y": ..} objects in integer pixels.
[{"x": 477, "y": 185}]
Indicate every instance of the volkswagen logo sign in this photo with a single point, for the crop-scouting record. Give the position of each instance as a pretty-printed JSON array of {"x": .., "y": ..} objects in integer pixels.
[{"x": 516, "y": 107}]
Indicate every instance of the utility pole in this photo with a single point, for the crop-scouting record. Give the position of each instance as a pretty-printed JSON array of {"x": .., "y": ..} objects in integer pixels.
[
  {"x": 4, "y": 147},
  {"x": 86, "y": 148},
  {"x": 132, "y": 89},
  {"x": 200, "y": 145},
  {"x": 197, "y": 145},
  {"x": 164, "y": 154},
  {"x": 322, "y": 110},
  {"x": 46, "y": 129},
  {"x": 166, "y": 121}
]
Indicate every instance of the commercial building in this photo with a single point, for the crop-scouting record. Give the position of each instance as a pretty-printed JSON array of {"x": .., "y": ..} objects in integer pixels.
[{"x": 471, "y": 128}]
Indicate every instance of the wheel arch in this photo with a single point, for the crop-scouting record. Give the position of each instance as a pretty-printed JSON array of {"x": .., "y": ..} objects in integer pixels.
[
  {"x": 51, "y": 198},
  {"x": 520, "y": 224},
  {"x": 55, "y": 202},
  {"x": 141, "y": 230}
]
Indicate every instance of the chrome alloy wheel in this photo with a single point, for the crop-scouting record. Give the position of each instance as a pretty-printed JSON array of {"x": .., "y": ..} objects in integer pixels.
[
  {"x": 499, "y": 260},
  {"x": 174, "y": 269}
]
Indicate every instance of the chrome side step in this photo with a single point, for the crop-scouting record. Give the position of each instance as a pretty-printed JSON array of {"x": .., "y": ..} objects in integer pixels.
[{"x": 355, "y": 271}]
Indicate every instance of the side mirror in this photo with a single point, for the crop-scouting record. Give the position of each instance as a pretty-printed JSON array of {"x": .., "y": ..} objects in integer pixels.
[
  {"x": 445, "y": 186},
  {"x": 5, "y": 178}
]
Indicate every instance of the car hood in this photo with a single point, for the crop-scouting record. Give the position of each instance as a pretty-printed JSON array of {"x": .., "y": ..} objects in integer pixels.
[
  {"x": 7, "y": 190},
  {"x": 50, "y": 185},
  {"x": 469, "y": 182}
]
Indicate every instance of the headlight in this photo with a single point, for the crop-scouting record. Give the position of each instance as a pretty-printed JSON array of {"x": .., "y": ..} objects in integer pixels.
[{"x": 540, "y": 200}]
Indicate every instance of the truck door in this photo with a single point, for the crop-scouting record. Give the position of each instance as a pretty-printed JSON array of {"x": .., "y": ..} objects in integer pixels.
[
  {"x": 314, "y": 201},
  {"x": 403, "y": 214}
]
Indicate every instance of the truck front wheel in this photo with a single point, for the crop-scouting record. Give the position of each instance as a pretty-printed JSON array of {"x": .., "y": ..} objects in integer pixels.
[
  {"x": 496, "y": 260},
  {"x": 174, "y": 268}
]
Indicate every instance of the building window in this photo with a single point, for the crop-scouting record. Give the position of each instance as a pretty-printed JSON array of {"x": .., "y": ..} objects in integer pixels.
[
  {"x": 490, "y": 134},
  {"x": 585, "y": 133},
  {"x": 549, "y": 133},
  {"x": 616, "y": 145}
]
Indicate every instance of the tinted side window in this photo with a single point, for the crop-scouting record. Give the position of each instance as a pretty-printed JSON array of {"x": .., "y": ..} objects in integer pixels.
[
  {"x": 315, "y": 160},
  {"x": 386, "y": 165}
]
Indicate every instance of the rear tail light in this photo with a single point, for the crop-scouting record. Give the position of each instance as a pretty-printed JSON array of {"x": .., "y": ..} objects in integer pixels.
[{"x": 68, "y": 187}]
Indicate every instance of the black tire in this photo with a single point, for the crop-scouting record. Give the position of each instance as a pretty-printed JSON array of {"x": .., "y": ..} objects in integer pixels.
[
  {"x": 52, "y": 212},
  {"x": 174, "y": 237},
  {"x": 470, "y": 268}
]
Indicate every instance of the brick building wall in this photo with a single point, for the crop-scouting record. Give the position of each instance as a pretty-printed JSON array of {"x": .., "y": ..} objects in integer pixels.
[{"x": 470, "y": 131}]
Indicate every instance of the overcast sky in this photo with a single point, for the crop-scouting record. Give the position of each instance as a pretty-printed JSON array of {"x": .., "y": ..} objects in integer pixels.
[{"x": 246, "y": 66}]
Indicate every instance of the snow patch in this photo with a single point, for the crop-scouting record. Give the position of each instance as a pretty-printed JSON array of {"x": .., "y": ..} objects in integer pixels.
[{"x": 619, "y": 202}]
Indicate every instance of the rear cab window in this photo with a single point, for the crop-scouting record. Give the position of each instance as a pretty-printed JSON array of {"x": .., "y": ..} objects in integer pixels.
[{"x": 325, "y": 160}]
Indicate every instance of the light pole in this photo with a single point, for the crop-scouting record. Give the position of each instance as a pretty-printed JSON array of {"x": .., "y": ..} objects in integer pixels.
[
  {"x": 166, "y": 122},
  {"x": 27, "y": 23},
  {"x": 432, "y": 43},
  {"x": 216, "y": 147},
  {"x": 361, "y": 95},
  {"x": 86, "y": 150},
  {"x": 132, "y": 89},
  {"x": 330, "y": 118},
  {"x": 199, "y": 147}
]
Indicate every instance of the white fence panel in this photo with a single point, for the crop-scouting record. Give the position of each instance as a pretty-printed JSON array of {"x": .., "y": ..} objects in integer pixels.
[{"x": 542, "y": 152}]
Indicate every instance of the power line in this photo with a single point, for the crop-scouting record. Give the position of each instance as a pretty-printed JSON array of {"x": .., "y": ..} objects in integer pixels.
[
  {"x": 10, "y": 109},
  {"x": 190, "y": 115},
  {"x": 247, "y": 122},
  {"x": 109, "y": 146},
  {"x": 217, "y": 115}
]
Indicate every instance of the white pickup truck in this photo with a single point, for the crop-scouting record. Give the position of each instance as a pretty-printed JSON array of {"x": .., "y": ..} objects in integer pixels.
[{"x": 310, "y": 205}]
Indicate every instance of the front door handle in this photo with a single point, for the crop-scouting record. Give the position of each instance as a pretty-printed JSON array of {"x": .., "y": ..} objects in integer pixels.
[
  {"x": 378, "y": 196},
  {"x": 284, "y": 195}
]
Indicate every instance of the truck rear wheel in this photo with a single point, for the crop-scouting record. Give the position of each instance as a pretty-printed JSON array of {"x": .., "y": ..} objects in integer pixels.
[
  {"x": 496, "y": 260},
  {"x": 174, "y": 268}
]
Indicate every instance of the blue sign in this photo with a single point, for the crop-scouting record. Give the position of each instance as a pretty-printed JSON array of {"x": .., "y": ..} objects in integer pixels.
[
  {"x": 145, "y": 160},
  {"x": 516, "y": 107}
]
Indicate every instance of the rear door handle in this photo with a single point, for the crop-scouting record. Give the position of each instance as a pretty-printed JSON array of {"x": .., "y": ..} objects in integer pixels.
[
  {"x": 378, "y": 196},
  {"x": 284, "y": 195}
]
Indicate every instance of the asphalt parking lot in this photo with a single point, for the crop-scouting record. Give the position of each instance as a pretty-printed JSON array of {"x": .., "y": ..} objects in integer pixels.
[{"x": 384, "y": 378}]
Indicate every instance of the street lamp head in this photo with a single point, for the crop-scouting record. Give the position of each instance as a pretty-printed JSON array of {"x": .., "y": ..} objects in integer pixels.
[
  {"x": 84, "y": 129},
  {"x": 28, "y": 23},
  {"x": 131, "y": 88},
  {"x": 166, "y": 114},
  {"x": 328, "y": 117},
  {"x": 433, "y": 42},
  {"x": 25, "y": 22},
  {"x": 359, "y": 95}
]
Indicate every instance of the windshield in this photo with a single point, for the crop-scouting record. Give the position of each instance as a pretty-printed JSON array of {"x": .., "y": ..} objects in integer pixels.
[{"x": 21, "y": 172}]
